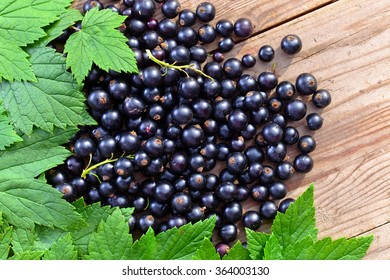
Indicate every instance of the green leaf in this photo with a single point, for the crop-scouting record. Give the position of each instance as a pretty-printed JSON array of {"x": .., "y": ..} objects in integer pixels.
[
  {"x": 67, "y": 19},
  {"x": 23, "y": 240},
  {"x": 39, "y": 238},
  {"x": 14, "y": 64},
  {"x": 298, "y": 221},
  {"x": 237, "y": 252},
  {"x": 28, "y": 255},
  {"x": 5, "y": 242},
  {"x": 101, "y": 43},
  {"x": 206, "y": 251},
  {"x": 144, "y": 248},
  {"x": 112, "y": 240},
  {"x": 53, "y": 101},
  {"x": 92, "y": 215},
  {"x": 341, "y": 249},
  {"x": 182, "y": 243},
  {"x": 25, "y": 202},
  {"x": 300, "y": 250},
  {"x": 8, "y": 135},
  {"x": 21, "y": 21},
  {"x": 35, "y": 154},
  {"x": 256, "y": 243},
  {"x": 62, "y": 250},
  {"x": 272, "y": 249}
]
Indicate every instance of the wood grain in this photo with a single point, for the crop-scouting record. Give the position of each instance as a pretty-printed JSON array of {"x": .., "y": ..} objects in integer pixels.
[{"x": 347, "y": 47}]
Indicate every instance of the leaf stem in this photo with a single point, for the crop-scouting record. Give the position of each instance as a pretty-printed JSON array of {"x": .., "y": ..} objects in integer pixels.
[
  {"x": 181, "y": 68},
  {"x": 89, "y": 168}
]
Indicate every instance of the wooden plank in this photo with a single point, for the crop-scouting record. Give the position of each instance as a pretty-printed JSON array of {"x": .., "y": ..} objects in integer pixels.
[
  {"x": 380, "y": 248},
  {"x": 347, "y": 46}
]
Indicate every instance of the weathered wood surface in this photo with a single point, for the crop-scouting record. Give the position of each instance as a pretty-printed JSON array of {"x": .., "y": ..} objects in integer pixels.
[{"x": 347, "y": 47}]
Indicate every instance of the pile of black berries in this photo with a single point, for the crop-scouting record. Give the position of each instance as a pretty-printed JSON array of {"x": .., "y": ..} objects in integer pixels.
[{"x": 164, "y": 133}]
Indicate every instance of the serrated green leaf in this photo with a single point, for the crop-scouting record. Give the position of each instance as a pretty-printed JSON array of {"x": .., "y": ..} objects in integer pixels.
[
  {"x": 300, "y": 250},
  {"x": 272, "y": 249},
  {"x": 28, "y": 255},
  {"x": 5, "y": 242},
  {"x": 63, "y": 249},
  {"x": 53, "y": 101},
  {"x": 8, "y": 135},
  {"x": 144, "y": 248},
  {"x": 14, "y": 63},
  {"x": 101, "y": 43},
  {"x": 182, "y": 243},
  {"x": 237, "y": 252},
  {"x": 298, "y": 221},
  {"x": 206, "y": 251},
  {"x": 112, "y": 240},
  {"x": 21, "y": 21},
  {"x": 23, "y": 240},
  {"x": 35, "y": 154},
  {"x": 39, "y": 238},
  {"x": 256, "y": 243},
  {"x": 25, "y": 202},
  {"x": 92, "y": 215},
  {"x": 67, "y": 19},
  {"x": 341, "y": 249}
]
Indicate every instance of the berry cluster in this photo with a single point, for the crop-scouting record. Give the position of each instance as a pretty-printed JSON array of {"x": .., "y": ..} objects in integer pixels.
[{"x": 163, "y": 131}]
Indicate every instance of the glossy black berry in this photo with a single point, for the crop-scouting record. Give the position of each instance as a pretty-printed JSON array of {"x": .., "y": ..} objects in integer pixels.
[
  {"x": 314, "y": 121},
  {"x": 192, "y": 136},
  {"x": 285, "y": 90},
  {"x": 248, "y": 60},
  {"x": 225, "y": 45},
  {"x": 207, "y": 33},
  {"x": 222, "y": 249},
  {"x": 277, "y": 190},
  {"x": 68, "y": 191},
  {"x": 284, "y": 170},
  {"x": 321, "y": 98},
  {"x": 171, "y": 8},
  {"x": 266, "y": 53},
  {"x": 268, "y": 174},
  {"x": 236, "y": 162},
  {"x": 228, "y": 233},
  {"x": 226, "y": 191},
  {"x": 107, "y": 147},
  {"x": 251, "y": 220},
  {"x": 167, "y": 28},
  {"x": 291, "y": 44},
  {"x": 187, "y": 17},
  {"x": 303, "y": 163},
  {"x": 284, "y": 204},
  {"x": 259, "y": 192},
  {"x": 181, "y": 203},
  {"x": 90, "y": 4},
  {"x": 179, "y": 55},
  {"x": 124, "y": 167},
  {"x": 144, "y": 8},
  {"x": 306, "y": 144},
  {"x": 176, "y": 221},
  {"x": 268, "y": 210},
  {"x": 224, "y": 27},
  {"x": 84, "y": 147},
  {"x": 145, "y": 221},
  {"x": 205, "y": 11},
  {"x": 306, "y": 84},
  {"x": 267, "y": 80},
  {"x": 99, "y": 100},
  {"x": 295, "y": 109},
  {"x": 232, "y": 212},
  {"x": 276, "y": 153},
  {"x": 243, "y": 27},
  {"x": 163, "y": 191},
  {"x": 187, "y": 36},
  {"x": 272, "y": 133}
]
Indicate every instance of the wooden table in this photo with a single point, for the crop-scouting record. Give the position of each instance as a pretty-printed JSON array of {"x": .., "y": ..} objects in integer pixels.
[{"x": 346, "y": 45}]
